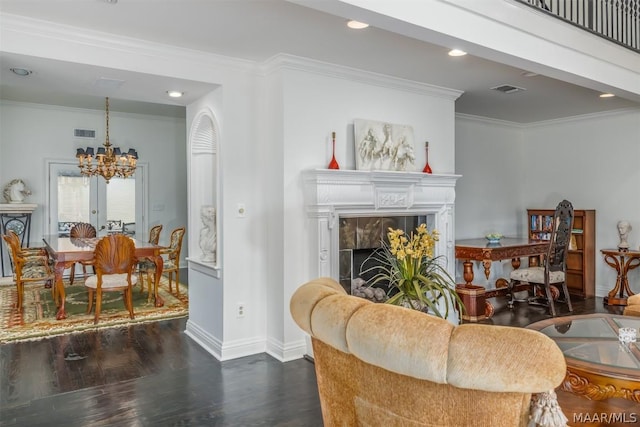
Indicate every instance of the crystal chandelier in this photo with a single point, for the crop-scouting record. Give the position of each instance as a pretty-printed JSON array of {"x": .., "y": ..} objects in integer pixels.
[{"x": 108, "y": 161}]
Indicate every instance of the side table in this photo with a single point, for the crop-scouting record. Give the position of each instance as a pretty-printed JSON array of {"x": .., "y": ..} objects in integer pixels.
[{"x": 623, "y": 262}]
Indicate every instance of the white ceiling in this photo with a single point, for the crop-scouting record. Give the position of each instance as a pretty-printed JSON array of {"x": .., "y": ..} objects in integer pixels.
[{"x": 257, "y": 30}]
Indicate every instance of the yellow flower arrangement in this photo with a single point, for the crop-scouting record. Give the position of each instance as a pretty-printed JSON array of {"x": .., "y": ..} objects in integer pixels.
[{"x": 414, "y": 277}]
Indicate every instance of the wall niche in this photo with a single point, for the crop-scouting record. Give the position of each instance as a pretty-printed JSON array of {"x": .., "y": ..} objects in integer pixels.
[{"x": 204, "y": 190}]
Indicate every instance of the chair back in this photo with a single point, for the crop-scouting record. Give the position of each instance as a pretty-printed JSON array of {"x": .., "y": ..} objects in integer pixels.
[
  {"x": 175, "y": 246},
  {"x": 560, "y": 235},
  {"x": 13, "y": 245},
  {"x": 13, "y": 239},
  {"x": 154, "y": 234},
  {"x": 9, "y": 241},
  {"x": 83, "y": 229},
  {"x": 115, "y": 254}
]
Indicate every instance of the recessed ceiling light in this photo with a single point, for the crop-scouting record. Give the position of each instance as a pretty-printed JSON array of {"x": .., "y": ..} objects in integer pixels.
[
  {"x": 606, "y": 95},
  {"x": 529, "y": 74},
  {"x": 357, "y": 25},
  {"x": 175, "y": 93},
  {"x": 457, "y": 52},
  {"x": 22, "y": 72}
]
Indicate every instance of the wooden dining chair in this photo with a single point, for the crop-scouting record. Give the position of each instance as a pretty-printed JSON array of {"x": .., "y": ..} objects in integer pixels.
[
  {"x": 29, "y": 265},
  {"x": 553, "y": 271},
  {"x": 154, "y": 234},
  {"x": 114, "y": 263},
  {"x": 154, "y": 238},
  {"x": 171, "y": 256},
  {"x": 81, "y": 230}
]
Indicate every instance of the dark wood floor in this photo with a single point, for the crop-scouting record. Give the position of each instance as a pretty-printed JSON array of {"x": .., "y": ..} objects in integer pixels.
[{"x": 154, "y": 375}]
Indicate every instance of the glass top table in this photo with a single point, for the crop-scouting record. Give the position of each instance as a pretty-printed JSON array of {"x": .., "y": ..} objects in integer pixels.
[{"x": 598, "y": 365}]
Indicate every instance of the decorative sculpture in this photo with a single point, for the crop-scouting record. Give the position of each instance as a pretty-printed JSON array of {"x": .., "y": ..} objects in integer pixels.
[
  {"x": 624, "y": 228},
  {"x": 383, "y": 146},
  {"x": 16, "y": 191},
  {"x": 208, "y": 238}
]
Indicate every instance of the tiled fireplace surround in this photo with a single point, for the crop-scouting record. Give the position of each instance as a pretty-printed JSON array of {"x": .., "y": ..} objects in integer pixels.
[{"x": 350, "y": 210}]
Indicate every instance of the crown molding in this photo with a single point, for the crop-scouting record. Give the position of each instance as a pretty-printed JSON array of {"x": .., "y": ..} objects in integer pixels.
[
  {"x": 585, "y": 117},
  {"x": 90, "y": 111},
  {"x": 489, "y": 121},
  {"x": 291, "y": 62},
  {"x": 582, "y": 117},
  {"x": 35, "y": 37}
]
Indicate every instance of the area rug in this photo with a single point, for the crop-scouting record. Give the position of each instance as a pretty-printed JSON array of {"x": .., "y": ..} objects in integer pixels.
[{"x": 38, "y": 317}]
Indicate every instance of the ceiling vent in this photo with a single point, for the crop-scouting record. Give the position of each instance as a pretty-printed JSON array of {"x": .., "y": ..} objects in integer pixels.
[
  {"x": 84, "y": 133},
  {"x": 508, "y": 89}
]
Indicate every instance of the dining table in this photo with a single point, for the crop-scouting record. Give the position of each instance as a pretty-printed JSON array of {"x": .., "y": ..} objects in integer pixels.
[
  {"x": 66, "y": 251},
  {"x": 481, "y": 250}
]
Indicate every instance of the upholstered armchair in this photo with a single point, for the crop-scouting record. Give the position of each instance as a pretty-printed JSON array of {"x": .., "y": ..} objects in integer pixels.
[
  {"x": 633, "y": 306},
  {"x": 379, "y": 364}
]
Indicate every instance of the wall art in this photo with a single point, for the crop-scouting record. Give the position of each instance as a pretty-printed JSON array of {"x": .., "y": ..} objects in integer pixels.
[{"x": 383, "y": 146}]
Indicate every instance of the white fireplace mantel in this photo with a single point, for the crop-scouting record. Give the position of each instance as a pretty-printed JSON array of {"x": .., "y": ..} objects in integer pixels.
[{"x": 331, "y": 194}]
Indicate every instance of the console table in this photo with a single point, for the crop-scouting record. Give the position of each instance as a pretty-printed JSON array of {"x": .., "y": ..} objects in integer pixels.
[
  {"x": 623, "y": 262},
  {"x": 17, "y": 218}
]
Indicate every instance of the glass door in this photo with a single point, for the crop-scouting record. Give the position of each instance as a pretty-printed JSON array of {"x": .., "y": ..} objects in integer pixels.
[{"x": 110, "y": 208}]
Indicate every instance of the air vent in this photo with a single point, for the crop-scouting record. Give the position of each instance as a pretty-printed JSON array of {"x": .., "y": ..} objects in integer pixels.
[
  {"x": 84, "y": 133},
  {"x": 508, "y": 89}
]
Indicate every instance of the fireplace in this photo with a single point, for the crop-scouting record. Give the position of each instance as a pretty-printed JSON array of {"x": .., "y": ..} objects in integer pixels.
[
  {"x": 359, "y": 237},
  {"x": 350, "y": 212}
]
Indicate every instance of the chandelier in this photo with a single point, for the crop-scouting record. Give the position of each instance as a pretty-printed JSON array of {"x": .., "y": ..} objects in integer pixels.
[{"x": 108, "y": 161}]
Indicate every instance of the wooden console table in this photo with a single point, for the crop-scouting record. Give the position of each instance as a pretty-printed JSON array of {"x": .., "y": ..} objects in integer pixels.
[
  {"x": 474, "y": 296},
  {"x": 623, "y": 262}
]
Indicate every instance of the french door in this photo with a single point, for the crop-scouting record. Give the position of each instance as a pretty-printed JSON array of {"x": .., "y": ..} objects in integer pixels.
[{"x": 118, "y": 206}]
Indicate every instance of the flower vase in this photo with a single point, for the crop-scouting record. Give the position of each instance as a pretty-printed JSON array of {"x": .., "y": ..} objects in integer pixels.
[
  {"x": 427, "y": 168},
  {"x": 334, "y": 163}
]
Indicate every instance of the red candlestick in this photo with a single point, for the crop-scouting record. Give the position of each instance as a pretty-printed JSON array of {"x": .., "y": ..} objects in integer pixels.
[
  {"x": 334, "y": 162},
  {"x": 427, "y": 168}
]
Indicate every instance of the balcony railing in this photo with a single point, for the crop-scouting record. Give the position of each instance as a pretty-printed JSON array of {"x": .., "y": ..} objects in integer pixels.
[{"x": 614, "y": 20}]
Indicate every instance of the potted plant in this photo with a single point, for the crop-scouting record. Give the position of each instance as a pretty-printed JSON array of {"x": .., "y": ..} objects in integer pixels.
[{"x": 414, "y": 277}]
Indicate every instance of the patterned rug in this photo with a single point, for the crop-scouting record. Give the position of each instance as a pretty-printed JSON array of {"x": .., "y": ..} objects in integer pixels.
[{"x": 38, "y": 317}]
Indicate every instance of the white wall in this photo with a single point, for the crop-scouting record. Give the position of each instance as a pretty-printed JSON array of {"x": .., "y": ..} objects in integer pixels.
[
  {"x": 242, "y": 244},
  {"x": 317, "y": 100},
  {"x": 31, "y": 133},
  {"x": 488, "y": 196},
  {"x": 591, "y": 161}
]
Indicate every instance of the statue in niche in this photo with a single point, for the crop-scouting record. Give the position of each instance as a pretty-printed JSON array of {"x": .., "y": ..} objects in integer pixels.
[{"x": 208, "y": 238}]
